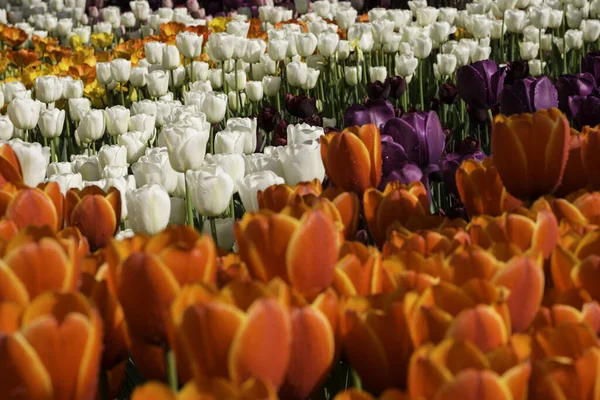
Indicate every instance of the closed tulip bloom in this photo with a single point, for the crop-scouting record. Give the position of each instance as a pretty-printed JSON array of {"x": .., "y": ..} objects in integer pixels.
[
  {"x": 406, "y": 65},
  {"x": 312, "y": 77},
  {"x": 149, "y": 209},
  {"x": 33, "y": 159},
  {"x": 135, "y": 144},
  {"x": 143, "y": 123},
  {"x": 186, "y": 146},
  {"x": 528, "y": 95},
  {"x": 254, "y": 90},
  {"x": 590, "y": 29},
  {"x": 138, "y": 76},
  {"x": 302, "y": 162},
  {"x": 236, "y": 102},
  {"x": 427, "y": 15},
  {"x": 171, "y": 58},
  {"x": 296, "y": 73},
  {"x": 277, "y": 49},
  {"x": 210, "y": 189},
  {"x": 91, "y": 127},
  {"x": 220, "y": 46},
  {"x": 352, "y": 75},
  {"x": 480, "y": 84},
  {"x": 255, "y": 48},
  {"x": 515, "y": 20},
  {"x": 573, "y": 85},
  {"x": 154, "y": 52},
  {"x": 233, "y": 164},
  {"x": 271, "y": 85},
  {"x": 446, "y": 64},
  {"x": 377, "y": 74},
  {"x": 528, "y": 50},
  {"x": 24, "y": 113},
  {"x": 156, "y": 168},
  {"x": 236, "y": 80},
  {"x": 530, "y": 151},
  {"x": 574, "y": 17},
  {"x": 214, "y": 107},
  {"x": 352, "y": 158},
  {"x": 6, "y": 128},
  {"x": 120, "y": 69},
  {"x": 112, "y": 155},
  {"x": 574, "y": 39},
  {"x": 328, "y": 43},
  {"x": 72, "y": 88},
  {"x": 157, "y": 83},
  {"x": 306, "y": 43},
  {"x": 229, "y": 142},
  {"x": 48, "y": 89},
  {"x": 422, "y": 47},
  {"x": 117, "y": 120},
  {"x": 51, "y": 123},
  {"x": 103, "y": 73},
  {"x": 252, "y": 183},
  {"x": 189, "y": 44}
]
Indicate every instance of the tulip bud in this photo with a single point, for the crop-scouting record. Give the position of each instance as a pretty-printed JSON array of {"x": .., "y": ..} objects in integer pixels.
[
  {"x": 170, "y": 57},
  {"x": 78, "y": 107},
  {"x": 189, "y": 44},
  {"x": 186, "y": 146},
  {"x": 352, "y": 75},
  {"x": 302, "y": 162},
  {"x": 234, "y": 103},
  {"x": 214, "y": 107},
  {"x": 306, "y": 44},
  {"x": 6, "y": 128},
  {"x": 143, "y": 123},
  {"x": 120, "y": 69},
  {"x": 51, "y": 123},
  {"x": 149, "y": 209},
  {"x": 67, "y": 181},
  {"x": 24, "y": 113},
  {"x": 378, "y": 74},
  {"x": 296, "y": 73},
  {"x": 71, "y": 88},
  {"x": 278, "y": 49},
  {"x": 252, "y": 183},
  {"x": 34, "y": 160},
  {"x": 135, "y": 143},
  {"x": 254, "y": 90},
  {"x": 48, "y": 89},
  {"x": 103, "y": 73},
  {"x": 236, "y": 80},
  {"x": 528, "y": 50},
  {"x": 91, "y": 127},
  {"x": 210, "y": 190},
  {"x": 112, "y": 155},
  {"x": 157, "y": 83},
  {"x": 238, "y": 28},
  {"x": 271, "y": 85},
  {"x": 216, "y": 78},
  {"x": 154, "y": 52},
  {"x": 220, "y": 46},
  {"x": 574, "y": 39},
  {"x": 56, "y": 168},
  {"x": 232, "y": 164}
]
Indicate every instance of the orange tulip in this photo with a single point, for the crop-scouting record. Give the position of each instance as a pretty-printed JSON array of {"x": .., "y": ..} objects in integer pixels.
[
  {"x": 530, "y": 151},
  {"x": 207, "y": 390},
  {"x": 94, "y": 212},
  {"x": 13, "y": 36},
  {"x": 398, "y": 203},
  {"x": 35, "y": 207},
  {"x": 276, "y": 197},
  {"x": 274, "y": 245},
  {"x": 10, "y": 167},
  {"x": 56, "y": 354},
  {"x": 590, "y": 146},
  {"x": 481, "y": 190},
  {"x": 574, "y": 177},
  {"x": 352, "y": 158},
  {"x": 359, "y": 270}
]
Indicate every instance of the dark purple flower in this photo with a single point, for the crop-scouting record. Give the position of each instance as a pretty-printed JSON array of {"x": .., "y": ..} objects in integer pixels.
[
  {"x": 420, "y": 135},
  {"x": 405, "y": 173},
  {"x": 480, "y": 83},
  {"x": 585, "y": 110},
  {"x": 591, "y": 64},
  {"x": 528, "y": 95},
  {"x": 280, "y": 132},
  {"x": 300, "y": 106},
  {"x": 314, "y": 120},
  {"x": 376, "y": 112},
  {"x": 448, "y": 93},
  {"x": 573, "y": 85},
  {"x": 397, "y": 85},
  {"x": 468, "y": 149},
  {"x": 268, "y": 118},
  {"x": 516, "y": 70},
  {"x": 378, "y": 90}
]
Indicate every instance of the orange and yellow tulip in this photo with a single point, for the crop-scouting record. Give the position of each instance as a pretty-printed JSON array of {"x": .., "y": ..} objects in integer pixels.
[
  {"x": 94, "y": 212},
  {"x": 207, "y": 390},
  {"x": 574, "y": 177},
  {"x": 481, "y": 190},
  {"x": 590, "y": 146},
  {"x": 56, "y": 353},
  {"x": 530, "y": 151},
  {"x": 352, "y": 158},
  {"x": 397, "y": 203}
]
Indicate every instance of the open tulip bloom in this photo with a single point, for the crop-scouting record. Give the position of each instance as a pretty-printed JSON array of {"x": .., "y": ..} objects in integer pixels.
[{"x": 249, "y": 199}]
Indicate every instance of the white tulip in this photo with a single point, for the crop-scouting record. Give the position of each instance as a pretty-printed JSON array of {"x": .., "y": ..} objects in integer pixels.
[
  {"x": 34, "y": 160},
  {"x": 302, "y": 162},
  {"x": 51, "y": 123},
  {"x": 135, "y": 144},
  {"x": 149, "y": 209},
  {"x": 24, "y": 113},
  {"x": 252, "y": 183},
  {"x": 210, "y": 189},
  {"x": 186, "y": 146},
  {"x": 117, "y": 120}
]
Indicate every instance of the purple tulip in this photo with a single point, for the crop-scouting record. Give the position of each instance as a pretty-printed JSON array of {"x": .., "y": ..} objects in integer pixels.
[
  {"x": 591, "y": 64},
  {"x": 468, "y": 149},
  {"x": 405, "y": 173},
  {"x": 573, "y": 85},
  {"x": 420, "y": 135},
  {"x": 378, "y": 90},
  {"x": 528, "y": 95},
  {"x": 480, "y": 84},
  {"x": 585, "y": 110},
  {"x": 376, "y": 112}
]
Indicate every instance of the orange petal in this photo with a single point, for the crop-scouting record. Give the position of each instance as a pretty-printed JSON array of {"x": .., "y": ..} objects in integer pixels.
[
  {"x": 197, "y": 264},
  {"x": 349, "y": 162},
  {"x": 372, "y": 200},
  {"x": 470, "y": 263},
  {"x": 545, "y": 236},
  {"x": 275, "y": 197},
  {"x": 32, "y": 207},
  {"x": 52, "y": 189},
  {"x": 11, "y": 288},
  {"x": 353, "y": 394},
  {"x": 425, "y": 376},
  {"x": 562, "y": 263},
  {"x": 348, "y": 205},
  {"x": 475, "y": 385},
  {"x": 525, "y": 280},
  {"x": 310, "y": 272},
  {"x": 96, "y": 219},
  {"x": 153, "y": 391},
  {"x": 566, "y": 340},
  {"x": 517, "y": 380},
  {"x": 586, "y": 275},
  {"x": 588, "y": 372},
  {"x": 312, "y": 352},
  {"x": 458, "y": 355},
  {"x": 481, "y": 325},
  {"x": 10, "y": 317},
  {"x": 261, "y": 347}
]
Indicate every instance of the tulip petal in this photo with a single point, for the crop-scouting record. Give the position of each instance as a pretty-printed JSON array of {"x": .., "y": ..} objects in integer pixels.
[
  {"x": 96, "y": 219},
  {"x": 310, "y": 272},
  {"x": 52, "y": 189},
  {"x": 481, "y": 325},
  {"x": 586, "y": 275},
  {"x": 261, "y": 347},
  {"x": 353, "y": 394},
  {"x": 349, "y": 163},
  {"x": 32, "y": 207},
  {"x": 425, "y": 376},
  {"x": 348, "y": 205},
  {"x": 153, "y": 391},
  {"x": 475, "y": 385}
]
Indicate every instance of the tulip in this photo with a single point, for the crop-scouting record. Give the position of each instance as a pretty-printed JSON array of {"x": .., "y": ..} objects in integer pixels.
[
  {"x": 33, "y": 161},
  {"x": 352, "y": 158},
  {"x": 420, "y": 136},
  {"x": 302, "y": 162},
  {"x": 186, "y": 146},
  {"x": 220, "y": 46},
  {"x": 112, "y": 155},
  {"x": 135, "y": 143},
  {"x": 6, "y": 128},
  {"x": 95, "y": 213},
  {"x": 376, "y": 112},
  {"x": 24, "y": 113},
  {"x": 585, "y": 110},
  {"x": 210, "y": 189},
  {"x": 51, "y": 123},
  {"x": 48, "y": 89},
  {"x": 138, "y": 76},
  {"x": 157, "y": 83},
  {"x": 254, "y": 90},
  {"x": 528, "y": 95},
  {"x": 91, "y": 127},
  {"x": 149, "y": 208},
  {"x": 78, "y": 107},
  {"x": 536, "y": 145},
  {"x": 252, "y": 183},
  {"x": 296, "y": 73},
  {"x": 590, "y": 143},
  {"x": 143, "y": 123},
  {"x": 480, "y": 84},
  {"x": 573, "y": 85},
  {"x": 591, "y": 64},
  {"x": 214, "y": 107},
  {"x": 117, "y": 120},
  {"x": 189, "y": 44}
]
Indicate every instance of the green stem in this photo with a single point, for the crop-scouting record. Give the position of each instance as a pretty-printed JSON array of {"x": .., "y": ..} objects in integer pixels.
[
  {"x": 421, "y": 85},
  {"x": 232, "y": 208},
  {"x": 171, "y": 367},
  {"x": 188, "y": 203},
  {"x": 213, "y": 230},
  {"x": 122, "y": 95},
  {"x": 53, "y": 149},
  {"x": 212, "y": 139}
]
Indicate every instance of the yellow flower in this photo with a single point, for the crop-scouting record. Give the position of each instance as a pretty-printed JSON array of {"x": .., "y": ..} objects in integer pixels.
[
  {"x": 218, "y": 24},
  {"x": 96, "y": 93},
  {"x": 75, "y": 41},
  {"x": 102, "y": 40}
]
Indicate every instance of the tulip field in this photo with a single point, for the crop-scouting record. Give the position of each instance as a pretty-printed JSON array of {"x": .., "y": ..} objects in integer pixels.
[{"x": 324, "y": 200}]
